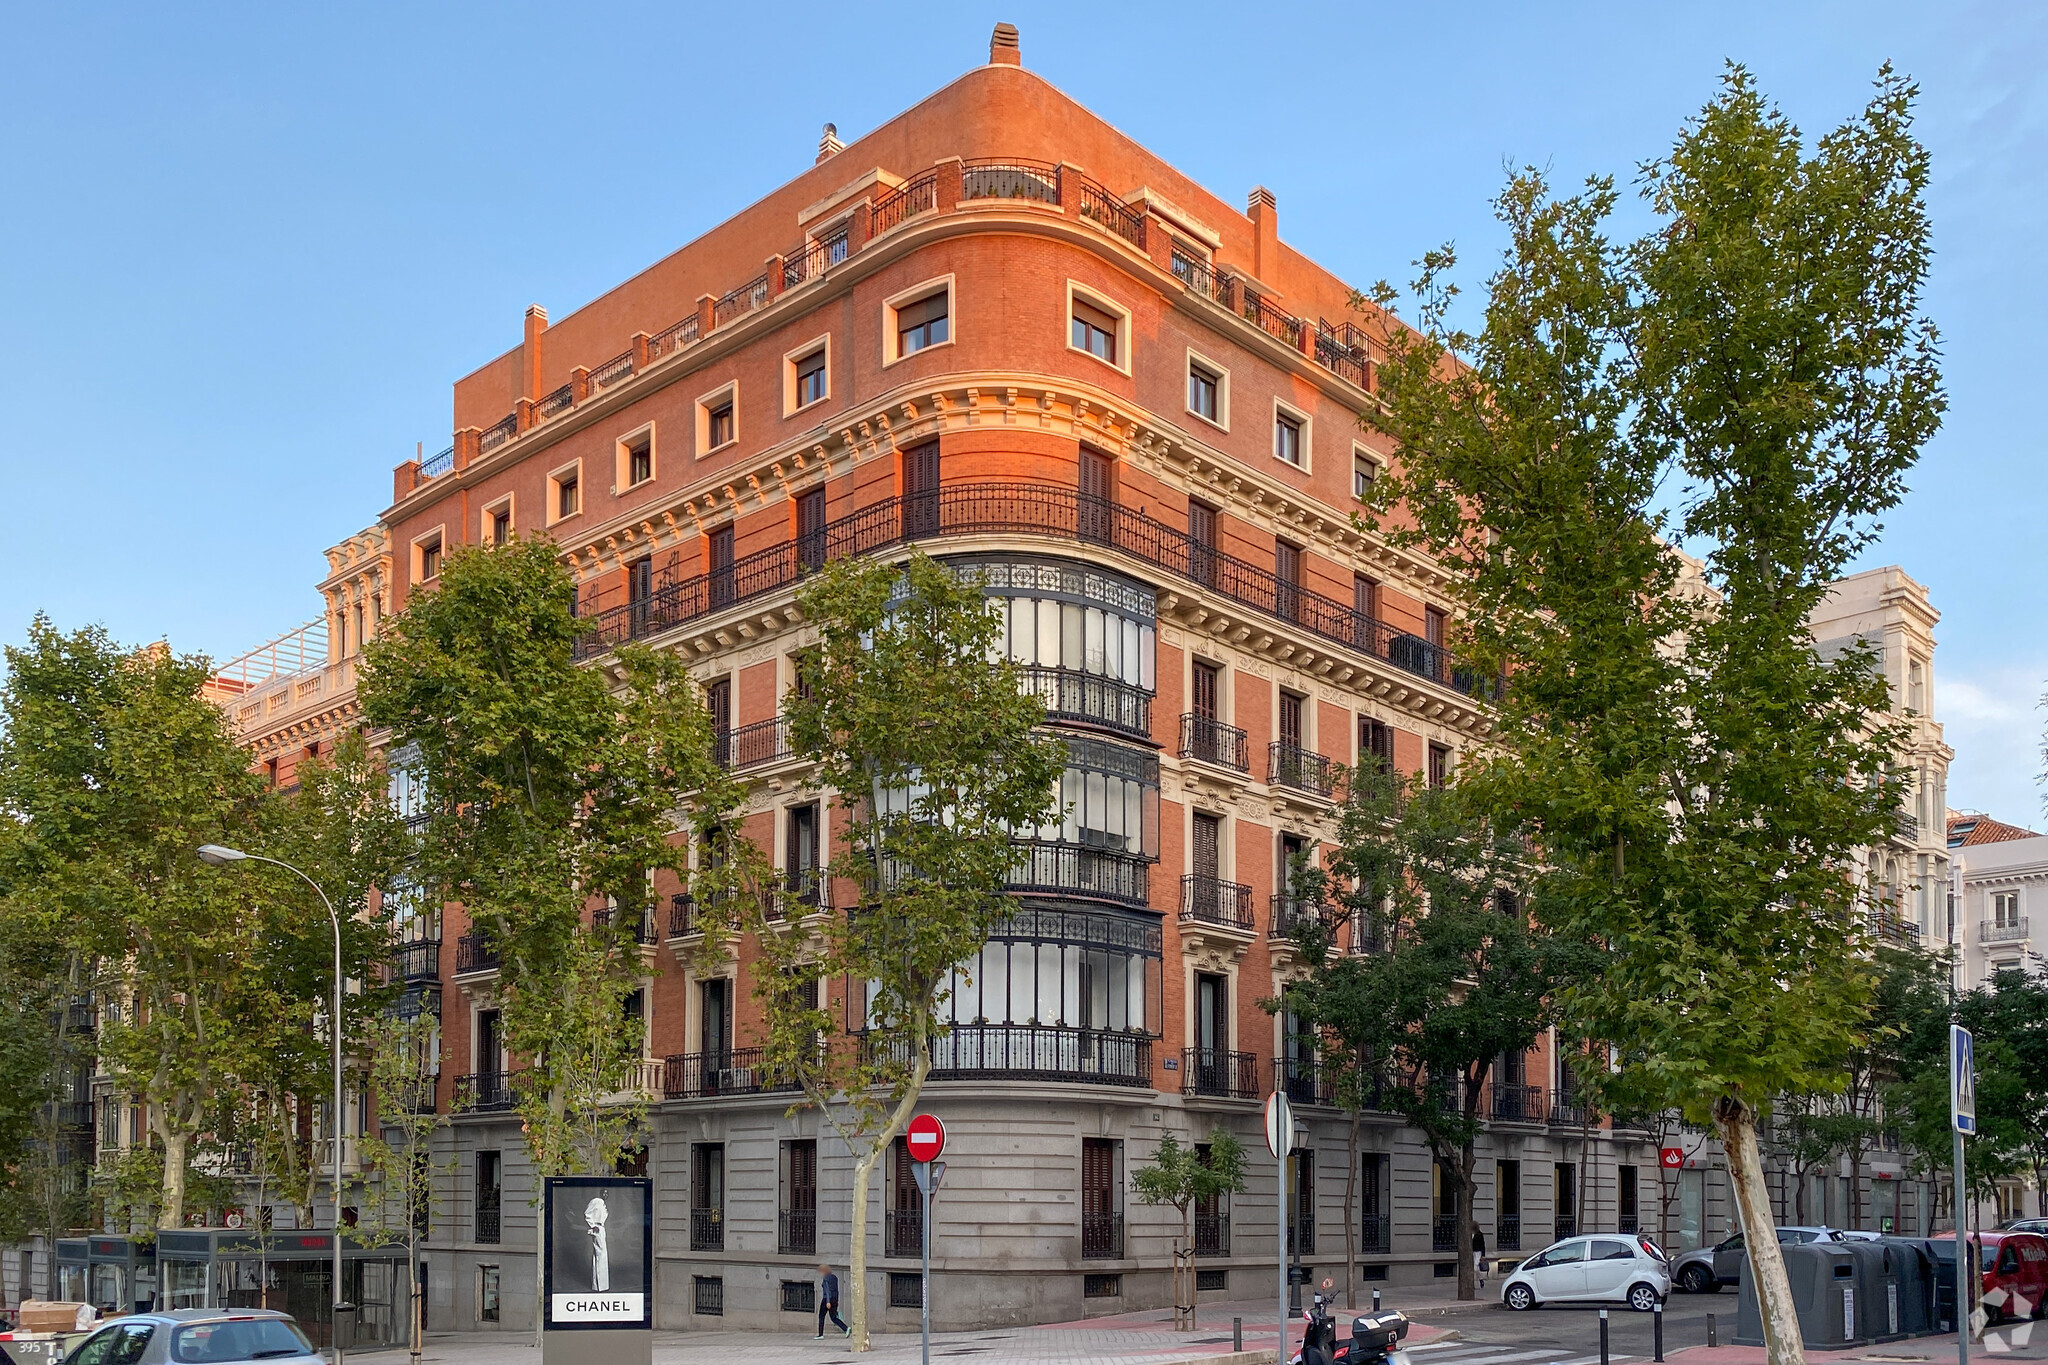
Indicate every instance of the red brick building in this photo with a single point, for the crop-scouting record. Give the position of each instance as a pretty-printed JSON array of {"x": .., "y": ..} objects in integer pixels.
[{"x": 998, "y": 329}]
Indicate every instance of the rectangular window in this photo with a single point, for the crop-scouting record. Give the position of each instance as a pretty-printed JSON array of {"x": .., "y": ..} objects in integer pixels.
[
  {"x": 1287, "y": 439},
  {"x": 1433, "y": 627},
  {"x": 1375, "y": 1203},
  {"x": 1201, "y": 542},
  {"x": 1365, "y": 471},
  {"x": 707, "y": 1196},
  {"x": 797, "y": 1231},
  {"x": 568, "y": 499},
  {"x": 718, "y": 701},
  {"x": 800, "y": 862},
  {"x": 2005, "y": 909},
  {"x": 1287, "y": 569},
  {"x": 1301, "y": 1227},
  {"x": 1203, "y": 387},
  {"x": 1625, "y": 1200},
  {"x": 1094, "y": 331},
  {"x": 718, "y": 546},
  {"x": 921, "y": 490},
  {"x": 501, "y": 526},
  {"x": 430, "y": 559},
  {"x": 1102, "y": 1233},
  {"x": 490, "y": 1195},
  {"x": 720, "y": 427},
  {"x": 636, "y": 458},
  {"x": 810, "y": 528},
  {"x": 1365, "y": 597},
  {"x": 904, "y": 1213},
  {"x": 810, "y": 378},
  {"x": 1507, "y": 1206},
  {"x": 1290, "y": 719},
  {"x": 1439, "y": 765},
  {"x": 1207, "y": 690},
  {"x": 1375, "y": 743},
  {"x": 921, "y": 324},
  {"x": 487, "y": 1309}
]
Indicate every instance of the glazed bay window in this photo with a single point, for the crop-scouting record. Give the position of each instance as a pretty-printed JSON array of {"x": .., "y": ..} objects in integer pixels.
[
  {"x": 1086, "y": 638},
  {"x": 1107, "y": 833},
  {"x": 1068, "y": 994}
]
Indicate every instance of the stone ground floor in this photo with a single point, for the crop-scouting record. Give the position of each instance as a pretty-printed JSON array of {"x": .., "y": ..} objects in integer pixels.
[{"x": 1035, "y": 1223}]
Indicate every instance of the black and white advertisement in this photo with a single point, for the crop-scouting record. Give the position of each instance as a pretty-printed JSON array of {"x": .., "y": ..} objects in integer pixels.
[{"x": 600, "y": 1252}]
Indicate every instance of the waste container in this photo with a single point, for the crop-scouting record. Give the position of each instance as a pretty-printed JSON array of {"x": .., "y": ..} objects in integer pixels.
[
  {"x": 1825, "y": 1291},
  {"x": 1915, "y": 1268}
]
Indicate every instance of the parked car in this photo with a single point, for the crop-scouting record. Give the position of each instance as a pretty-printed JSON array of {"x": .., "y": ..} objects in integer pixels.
[
  {"x": 1616, "y": 1268},
  {"x": 197, "y": 1336},
  {"x": 2025, "y": 1225},
  {"x": 2015, "y": 1270},
  {"x": 1706, "y": 1269}
]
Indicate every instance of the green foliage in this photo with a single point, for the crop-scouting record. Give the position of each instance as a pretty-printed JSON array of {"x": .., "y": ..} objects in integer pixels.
[
  {"x": 2008, "y": 1019},
  {"x": 552, "y": 788},
  {"x": 1183, "y": 1177},
  {"x": 1462, "y": 979},
  {"x": 922, "y": 729}
]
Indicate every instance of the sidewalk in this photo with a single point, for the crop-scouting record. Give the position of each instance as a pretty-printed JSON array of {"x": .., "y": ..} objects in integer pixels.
[{"x": 1141, "y": 1338}]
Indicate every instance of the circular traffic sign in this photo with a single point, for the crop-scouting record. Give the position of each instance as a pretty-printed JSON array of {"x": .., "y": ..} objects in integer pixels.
[{"x": 926, "y": 1137}]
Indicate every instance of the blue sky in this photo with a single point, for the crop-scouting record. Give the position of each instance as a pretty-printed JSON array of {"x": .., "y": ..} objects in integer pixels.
[{"x": 244, "y": 251}]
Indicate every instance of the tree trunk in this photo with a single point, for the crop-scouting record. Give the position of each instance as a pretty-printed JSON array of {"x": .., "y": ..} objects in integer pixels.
[
  {"x": 1736, "y": 1124},
  {"x": 1351, "y": 1221},
  {"x": 171, "y": 1211},
  {"x": 863, "y": 1173},
  {"x": 1468, "y": 1225}
]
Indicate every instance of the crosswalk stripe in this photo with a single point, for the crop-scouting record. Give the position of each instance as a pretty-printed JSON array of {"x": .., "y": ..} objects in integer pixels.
[
  {"x": 1479, "y": 1353},
  {"x": 1591, "y": 1360}
]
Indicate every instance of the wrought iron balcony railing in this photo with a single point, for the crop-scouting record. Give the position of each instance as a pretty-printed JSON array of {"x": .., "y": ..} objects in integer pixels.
[
  {"x": 796, "y": 1232},
  {"x": 641, "y": 928},
  {"x": 1220, "y": 1074},
  {"x": 1091, "y": 700},
  {"x": 2006, "y": 931},
  {"x": 1375, "y": 1233},
  {"x": 1290, "y": 765},
  {"x": 1211, "y": 900},
  {"x": 902, "y": 1232},
  {"x": 1102, "y": 1236},
  {"x": 707, "y": 1229},
  {"x": 1212, "y": 1233},
  {"x": 1507, "y": 1232},
  {"x": 475, "y": 953},
  {"x": 1305, "y": 1079},
  {"x": 1077, "y": 870},
  {"x": 1569, "y": 1109},
  {"x": 1443, "y": 1233},
  {"x": 483, "y": 1092},
  {"x": 1211, "y": 741},
  {"x": 417, "y": 959},
  {"x": 1285, "y": 913},
  {"x": 702, "y": 1075},
  {"x": 1519, "y": 1103},
  {"x": 1040, "y": 1052}
]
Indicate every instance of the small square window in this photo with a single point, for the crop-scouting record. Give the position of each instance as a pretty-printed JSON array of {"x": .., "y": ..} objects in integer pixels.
[
  {"x": 1365, "y": 471},
  {"x": 568, "y": 497},
  {"x": 720, "y": 427},
  {"x": 430, "y": 558},
  {"x": 810, "y": 378},
  {"x": 501, "y": 525},
  {"x": 923, "y": 323},
  {"x": 1287, "y": 438},
  {"x": 1203, "y": 386},
  {"x": 1094, "y": 331}
]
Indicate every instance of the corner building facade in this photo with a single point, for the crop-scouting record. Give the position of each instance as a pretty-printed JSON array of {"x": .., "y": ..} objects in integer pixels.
[{"x": 1001, "y": 331}]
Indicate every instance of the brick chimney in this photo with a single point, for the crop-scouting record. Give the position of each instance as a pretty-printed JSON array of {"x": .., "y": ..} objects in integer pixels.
[
  {"x": 829, "y": 145},
  {"x": 536, "y": 323},
  {"x": 1002, "y": 47},
  {"x": 1265, "y": 216}
]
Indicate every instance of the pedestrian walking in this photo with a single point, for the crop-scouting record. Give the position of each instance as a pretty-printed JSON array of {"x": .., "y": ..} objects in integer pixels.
[
  {"x": 1479, "y": 1256},
  {"x": 828, "y": 1301}
]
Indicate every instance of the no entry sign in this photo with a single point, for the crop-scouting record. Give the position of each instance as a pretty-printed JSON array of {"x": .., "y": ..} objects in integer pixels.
[{"x": 926, "y": 1138}]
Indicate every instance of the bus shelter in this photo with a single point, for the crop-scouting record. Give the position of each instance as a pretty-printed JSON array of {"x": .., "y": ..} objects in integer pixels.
[
  {"x": 112, "y": 1273},
  {"x": 291, "y": 1272}
]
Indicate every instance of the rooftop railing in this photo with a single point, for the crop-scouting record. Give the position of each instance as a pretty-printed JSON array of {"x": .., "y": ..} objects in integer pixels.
[{"x": 1343, "y": 349}]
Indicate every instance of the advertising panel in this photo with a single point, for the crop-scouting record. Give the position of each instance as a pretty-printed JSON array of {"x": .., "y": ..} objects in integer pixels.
[{"x": 600, "y": 1270}]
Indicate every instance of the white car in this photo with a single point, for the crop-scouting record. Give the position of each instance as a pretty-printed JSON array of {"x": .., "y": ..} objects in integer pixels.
[{"x": 1616, "y": 1268}]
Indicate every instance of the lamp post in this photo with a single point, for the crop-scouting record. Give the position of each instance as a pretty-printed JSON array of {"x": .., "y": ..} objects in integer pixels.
[{"x": 215, "y": 855}]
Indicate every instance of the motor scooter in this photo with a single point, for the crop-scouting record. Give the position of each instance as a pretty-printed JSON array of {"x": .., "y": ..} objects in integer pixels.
[{"x": 1375, "y": 1338}]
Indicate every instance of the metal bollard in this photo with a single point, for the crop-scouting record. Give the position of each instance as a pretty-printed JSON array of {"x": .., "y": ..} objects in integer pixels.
[
  {"x": 1657, "y": 1329},
  {"x": 1711, "y": 1339},
  {"x": 1237, "y": 1334},
  {"x": 1603, "y": 1336}
]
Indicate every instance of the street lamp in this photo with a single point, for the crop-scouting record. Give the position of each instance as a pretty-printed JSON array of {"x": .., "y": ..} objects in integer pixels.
[{"x": 215, "y": 855}]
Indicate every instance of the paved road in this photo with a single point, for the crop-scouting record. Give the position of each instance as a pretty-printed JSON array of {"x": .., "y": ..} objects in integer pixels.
[{"x": 1569, "y": 1335}]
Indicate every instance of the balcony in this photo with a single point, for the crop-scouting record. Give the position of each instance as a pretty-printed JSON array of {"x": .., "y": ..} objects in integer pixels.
[
  {"x": 1301, "y": 1233},
  {"x": 1443, "y": 1233},
  {"x": 2002, "y": 931},
  {"x": 417, "y": 959},
  {"x": 1017, "y": 509},
  {"x": 1044, "y": 1052},
  {"x": 1286, "y": 913},
  {"x": 1086, "y": 699},
  {"x": 1907, "y": 830},
  {"x": 1303, "y": 770},
  {"x": 796, "y": 1232},
  {"x": 74, "y": 1113},
  {"x": 1305, "y": 1080},
  {"x": 1519, "y": 1104},
  {"x": 1564, "y": 1225},
  {"x": 489, "y": 1226},
  {"x": 1507, "y": 1232},
  {"x": 640, "y": 928},
  {"x": 1212, "y": 1233},
  {"x": 704, "y": 1075},
  {"x": 475, "y": 953},
  {"x": 707, "y": 1229},
  {"x": 483, "y": 1092},
  {"x": 1569, "y": 1109},
  {"x": 1211, "y": 900},
  {"x": 1076, "y": 870},
  {"x": 1102, "y": 1236},
  {"x": 1211, "y": 741},
  {"x": 752, "y": 746},
  {"x": 682, "y": 916},
  {"x": 1219, "y": 1074},
  {"x": 903, "y": 1232},
  {"x": 1375, "y": 1234}
]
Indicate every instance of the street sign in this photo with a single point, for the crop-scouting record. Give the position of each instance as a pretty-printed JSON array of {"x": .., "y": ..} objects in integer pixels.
[
  {"x": 926, "y": 1137},
  {"x": 928, "y": 1174},
  {"x": 1279, "y": 1124},
  {"x": 1672, "y": 1158},
  {"x": 1962, "y": 1079}
]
